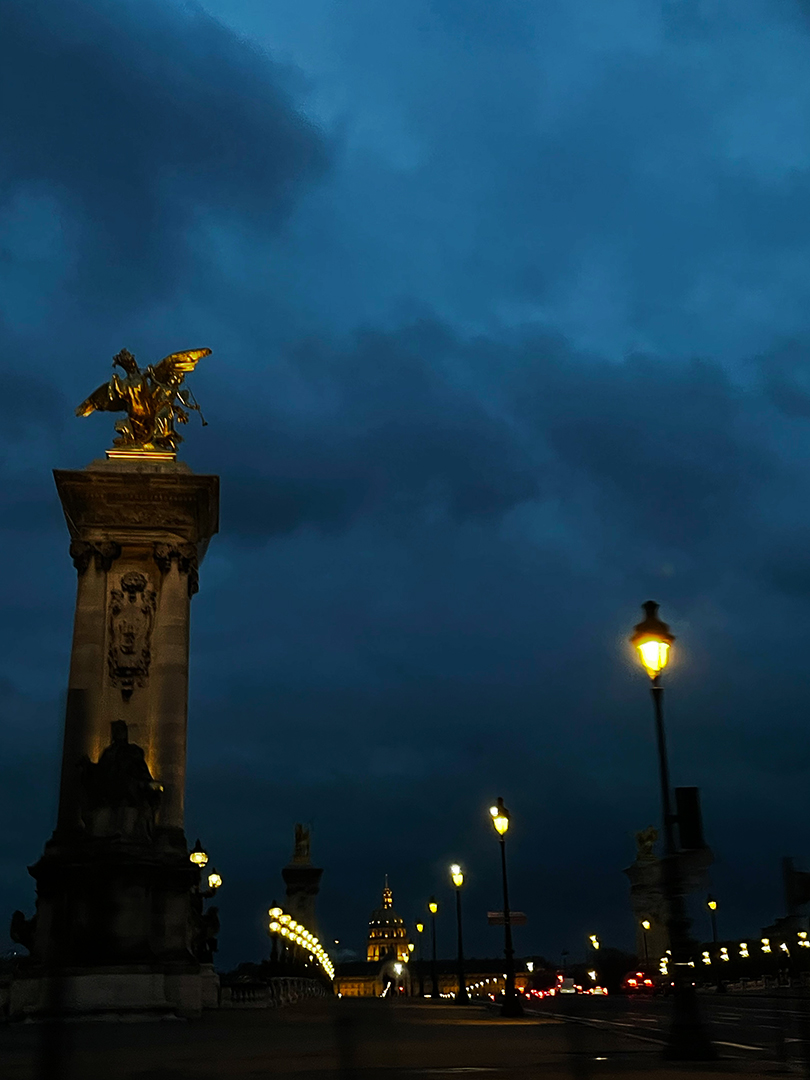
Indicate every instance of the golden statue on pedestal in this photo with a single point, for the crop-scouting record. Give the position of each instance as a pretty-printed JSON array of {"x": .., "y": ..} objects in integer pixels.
[{"x": 152, "y": 400}]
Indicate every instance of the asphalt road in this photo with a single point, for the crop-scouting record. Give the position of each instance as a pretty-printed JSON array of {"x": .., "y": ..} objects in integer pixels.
[
  {"x": 382, "y": 1040},
  {"x": 770, "y": 1030}
]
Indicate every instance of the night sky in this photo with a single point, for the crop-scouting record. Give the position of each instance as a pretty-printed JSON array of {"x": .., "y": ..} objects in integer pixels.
[{"x": 508, "y": 305}]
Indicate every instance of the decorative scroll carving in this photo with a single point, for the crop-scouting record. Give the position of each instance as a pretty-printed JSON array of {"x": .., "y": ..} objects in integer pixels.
[
  {"x": 105, "y": 552},
  {"x": 186, "y": 556},
  {"x": 120, "y": 795},
  {"x": 132, "y": 613}
]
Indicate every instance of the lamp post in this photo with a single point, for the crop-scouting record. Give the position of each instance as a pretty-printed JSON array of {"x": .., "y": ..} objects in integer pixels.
[
  {"x": 462, "y": 997},
  {"x": 433, "y": 907},
  {"x": 273, "y": 930},
  {"x": 711, "y": 904},
  {"x": 688, "y": 1040},
  {"x": 420, "y": 926},
  {"x": 511, "y": 1004},
  {"x": 645, "y": 926}
]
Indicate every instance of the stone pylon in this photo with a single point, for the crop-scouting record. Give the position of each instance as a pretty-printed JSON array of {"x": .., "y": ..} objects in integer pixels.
[
  {"x": 303, "y": 881},
  {"x": 118, "y": 921}
]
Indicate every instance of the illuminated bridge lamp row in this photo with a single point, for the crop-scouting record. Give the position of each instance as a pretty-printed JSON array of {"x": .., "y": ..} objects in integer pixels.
[{"x": 285, "y": 926}]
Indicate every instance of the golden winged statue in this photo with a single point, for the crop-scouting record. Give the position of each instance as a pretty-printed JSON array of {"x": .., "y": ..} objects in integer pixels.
[{"x": 152, "y": 400}]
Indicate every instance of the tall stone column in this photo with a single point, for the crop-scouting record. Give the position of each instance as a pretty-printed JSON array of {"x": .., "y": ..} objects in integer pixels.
[
  {"x": 82, "y": 735},
  {"x": 116, "y": 918},
  {"x": 178, "y": 569}
]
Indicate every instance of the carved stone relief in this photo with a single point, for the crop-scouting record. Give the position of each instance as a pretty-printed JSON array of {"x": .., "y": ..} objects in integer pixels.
[{"x": 132, "y": 614}]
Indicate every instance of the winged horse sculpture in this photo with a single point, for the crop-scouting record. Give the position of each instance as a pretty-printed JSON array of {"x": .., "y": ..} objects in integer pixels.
[{"x": 152, "y": 399}]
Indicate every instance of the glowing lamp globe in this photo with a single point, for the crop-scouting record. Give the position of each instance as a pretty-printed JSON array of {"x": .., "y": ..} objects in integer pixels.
[
  {"x": 198, "y": 855},
  {"x": 653, "y": 639},
  {"x": 500, "y": 817},
  {"x": 433, "y": 907},
  {"x": 457, "y": 875},
  {"x": 214, "y": 880}
]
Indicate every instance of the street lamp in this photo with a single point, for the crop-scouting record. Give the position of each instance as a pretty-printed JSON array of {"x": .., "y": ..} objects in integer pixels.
[
  {"x": 645, "y": 926},
  {"x": 511, "y": 1005},
  {"x": 688, "y": 1040},
  {"x": 595, "y": 942},
  {"x": 711, "y": 904},
  {"x": 462, "y": 997},
  {"x": 420, "y": 926},
  {"x": 433, "y": 907}
]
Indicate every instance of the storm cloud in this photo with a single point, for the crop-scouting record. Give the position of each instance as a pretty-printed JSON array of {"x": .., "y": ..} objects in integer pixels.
[{"x": 508, "y": 310}]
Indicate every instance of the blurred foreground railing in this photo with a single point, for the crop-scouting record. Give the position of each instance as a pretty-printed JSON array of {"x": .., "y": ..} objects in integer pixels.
[{"x": 271, "y": 994}]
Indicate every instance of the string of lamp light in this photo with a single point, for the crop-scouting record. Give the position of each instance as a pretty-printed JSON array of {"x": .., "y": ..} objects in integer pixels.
[{"x": 283, "y": 924}]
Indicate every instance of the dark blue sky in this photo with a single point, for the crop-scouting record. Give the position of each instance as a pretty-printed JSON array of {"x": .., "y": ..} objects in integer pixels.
[{"x": 509, "y": 314}]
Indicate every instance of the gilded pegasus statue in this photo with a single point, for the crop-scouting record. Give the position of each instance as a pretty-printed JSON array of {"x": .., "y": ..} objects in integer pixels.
[{"x": 152, "y": 400}]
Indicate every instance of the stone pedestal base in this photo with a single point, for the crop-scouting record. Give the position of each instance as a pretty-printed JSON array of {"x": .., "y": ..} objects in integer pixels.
[{"x": 114, "y": 993}]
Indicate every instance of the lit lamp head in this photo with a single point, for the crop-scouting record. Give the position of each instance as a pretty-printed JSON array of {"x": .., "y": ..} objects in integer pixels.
[
  {"x": 652, "y": 638},
  {"x": 433, "y": 907},
  {"x": 411, "y": 946},
  {"x": 711, "y": 903},
  {"x": 214, "y": 879},
  {"x": 457, "y": 875},
  {"x": 198, "y": 855},
  {"x": 500, "y": 817},
  {"x": 646, "y": 924},
  {"x": 594, "y": 940},
  {"x": 275, "y": 912},
  {"x": 420, "y": 926}
]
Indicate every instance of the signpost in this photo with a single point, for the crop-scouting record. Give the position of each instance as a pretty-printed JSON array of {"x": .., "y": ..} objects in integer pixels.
[{"x": 496, "y": 918}]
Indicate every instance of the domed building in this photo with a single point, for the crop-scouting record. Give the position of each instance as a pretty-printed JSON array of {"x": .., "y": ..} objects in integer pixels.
[{"x": 387, "y": 936}]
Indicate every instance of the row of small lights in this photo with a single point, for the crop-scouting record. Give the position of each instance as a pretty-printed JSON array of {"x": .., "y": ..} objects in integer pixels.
[
  {"x": 765, "y": 945},
  {"x": 284, "y": 924}
]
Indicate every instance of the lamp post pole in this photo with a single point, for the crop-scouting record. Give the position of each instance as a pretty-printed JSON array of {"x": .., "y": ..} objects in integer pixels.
[
  {"x": 711, "y": 904},
  {"x": 645, "y": 926},
  {"x": 462, "y": 997},
  {"x": 419, "y": 965},
  {"x": 433, "y": 907},
  {"x": 688, "y": 1040},
  {"x": 511, "y": 1004}
]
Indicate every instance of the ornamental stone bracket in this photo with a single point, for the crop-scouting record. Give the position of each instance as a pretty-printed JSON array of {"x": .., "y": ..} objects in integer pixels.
[
  {"x": 186, "y": 557},
  {"x": 105, "y": 552}
]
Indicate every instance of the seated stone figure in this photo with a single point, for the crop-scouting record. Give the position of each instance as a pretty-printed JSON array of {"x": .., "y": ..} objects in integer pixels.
[
  {"x": 22, "y": 930},
  {"x": 121, "y": 796}
]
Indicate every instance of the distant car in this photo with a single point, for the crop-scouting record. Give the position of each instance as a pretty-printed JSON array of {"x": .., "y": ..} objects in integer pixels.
[
  {"x": 638, "y": 982},
  {"x": 567, "y": 986}
]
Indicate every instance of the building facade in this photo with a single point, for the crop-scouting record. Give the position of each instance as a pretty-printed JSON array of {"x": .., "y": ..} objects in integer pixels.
[{"x": 387, "y": 936}]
